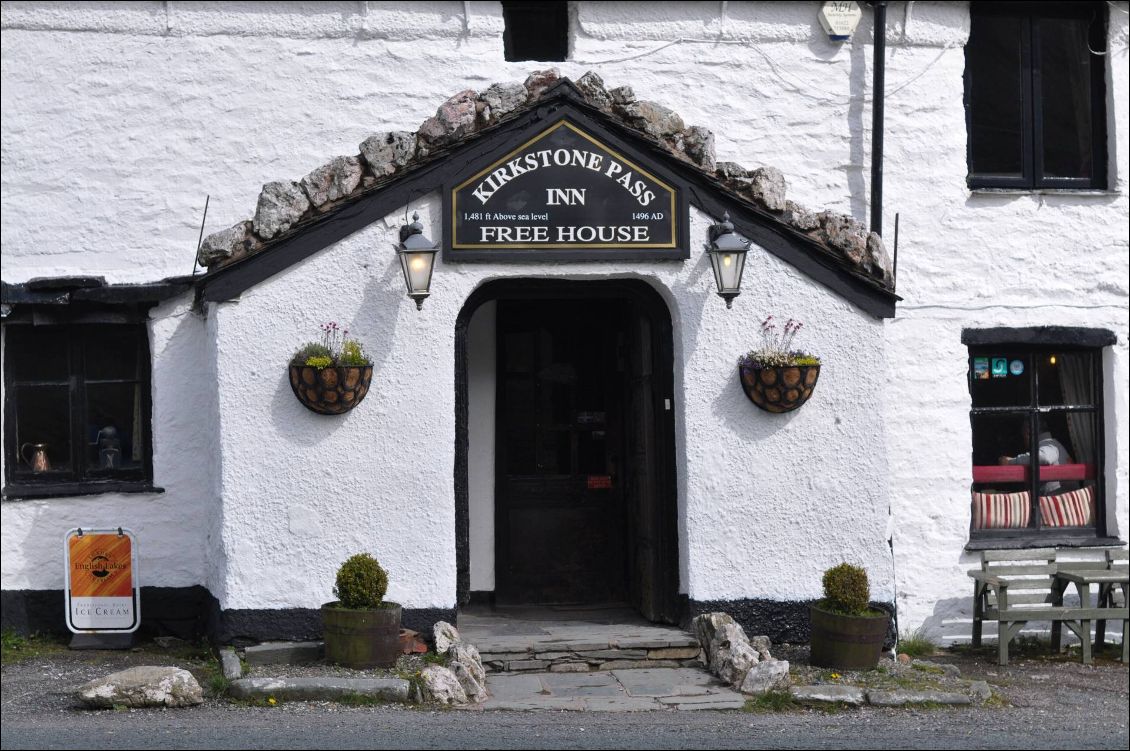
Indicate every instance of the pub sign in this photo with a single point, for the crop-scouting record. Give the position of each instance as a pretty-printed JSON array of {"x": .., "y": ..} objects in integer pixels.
[{"x": 565, "y": 194}]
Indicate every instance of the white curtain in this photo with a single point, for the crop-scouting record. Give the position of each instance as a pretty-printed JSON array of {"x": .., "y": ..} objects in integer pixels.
[{"x": 1075, "y": 379}]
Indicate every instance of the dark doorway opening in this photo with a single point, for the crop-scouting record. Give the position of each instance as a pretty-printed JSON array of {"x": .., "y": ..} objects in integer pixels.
[{"x": 585, "y": 508}]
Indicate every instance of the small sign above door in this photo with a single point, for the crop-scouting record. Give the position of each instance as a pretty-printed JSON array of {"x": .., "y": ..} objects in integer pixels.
[{"x": 564, "y": 194}]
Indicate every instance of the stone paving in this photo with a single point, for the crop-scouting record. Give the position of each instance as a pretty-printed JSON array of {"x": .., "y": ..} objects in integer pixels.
[
  {"x": 598, "y": 659},
  {"x": 634, "y": 690}
]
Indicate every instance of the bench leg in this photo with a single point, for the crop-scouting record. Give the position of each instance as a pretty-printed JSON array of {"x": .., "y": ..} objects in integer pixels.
[
  {"x": 1057, "y": 637},
  {"x": 976, "y": 614},
  {"x": 1004, "y": 629},
  {"x": 1125, "y": 640},
  {"x": 1085, "y": 636}
]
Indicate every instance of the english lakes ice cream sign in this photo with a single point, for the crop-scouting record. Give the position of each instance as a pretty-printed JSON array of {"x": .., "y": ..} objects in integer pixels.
[
  {"x": 564, "y": 194},
  {"x": 101, "y": 581}
]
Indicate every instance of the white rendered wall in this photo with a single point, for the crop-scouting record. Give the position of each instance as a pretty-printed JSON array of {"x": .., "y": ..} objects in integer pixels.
[
  {"x": 753, "y": 488},
  {"x": 979, "y": 260},
  {"x": 482, "y": 348},
  {"x": 171, "y": 527},
  {"x": 117, "y": 120}
]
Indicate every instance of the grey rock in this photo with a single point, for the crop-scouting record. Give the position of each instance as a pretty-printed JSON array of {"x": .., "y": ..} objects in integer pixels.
[
  {"x": 143, "y": 686},
  {"x": 500, "y": 99},
  {"x": 527, "y": 665},
  {"x": 845, "y": 235},
  {"x": 651, "y": 118},
  {"x": 444, "y": 635},
  {"x": 327, "y": 688},
  {"x": 385, "y": 153},
  {"x": 800, "y": 218},
  {"x": 539, "y": 81},
  {"x": 230, "y": 664},
  {"x": 569, "y": 667},
  {"x": 622, "y": 95},
  {"x": 706, "y": 625},
  {"x": 674, "y": 653},
  {"x": 901, "y": 698},
  {"x": 731, "y": 663},
  {"x": 281, "y": 205},
  {"x": 637, "y": 664},
  {"x": 948, "y": 670},
  {"x": 462, "y": 653},
  {"x": 767, "y": 185},
  {"x": 332, "y": 181},
  {"x": 228, "y": 244},
  {"x": 473, "y": 687},
  {"x": 731, "y": 171},
  {"x": 592, "y": 86},
  {"x": 614, "y": 654},
  {"x": 440, "y": 685},
  {"x": 698, "y": 144},
  {"x": 766, "y": 676},
  {"x": 762, "y": 645},
  {"x": 880, "y": 261},
  {"x": 980, "y": 691},
  {"x": 454, "y": 119},
  {"x": 284, "y": 653},
  {"x": 828, "y": 693},
  {"x": 169, "y": 642}
]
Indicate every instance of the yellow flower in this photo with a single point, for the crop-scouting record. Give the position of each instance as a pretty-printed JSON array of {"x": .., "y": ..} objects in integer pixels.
[
  {"x": 835, "y": 675},
  {"x": 272, "y": 701}
]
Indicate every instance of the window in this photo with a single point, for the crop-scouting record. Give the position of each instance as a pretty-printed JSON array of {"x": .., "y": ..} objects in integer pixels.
[
  {"x": 1041, "y": 401},
  {"x": 536, "y": 30},
  {"x": 1035, "y": 95},
  {"x": 77, "y": 406}
]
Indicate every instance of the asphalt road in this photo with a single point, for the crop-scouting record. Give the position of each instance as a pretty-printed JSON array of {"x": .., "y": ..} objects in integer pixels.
[{"x": 331, "y": 726}]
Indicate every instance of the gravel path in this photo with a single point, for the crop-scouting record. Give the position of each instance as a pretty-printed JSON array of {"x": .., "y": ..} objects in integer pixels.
[{"x": 1049, "y": 703}]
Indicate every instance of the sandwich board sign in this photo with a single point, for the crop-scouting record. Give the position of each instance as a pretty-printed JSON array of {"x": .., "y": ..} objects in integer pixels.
[{"x": 102, "y": 585}]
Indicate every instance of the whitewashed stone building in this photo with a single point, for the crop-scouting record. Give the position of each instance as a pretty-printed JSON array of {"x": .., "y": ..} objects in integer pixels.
[{"x": 475, "y": 468}]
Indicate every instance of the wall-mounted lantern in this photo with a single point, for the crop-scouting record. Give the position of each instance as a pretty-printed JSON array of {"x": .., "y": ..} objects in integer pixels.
[
  {"x": 417, "y": 258},
  {"x": 727, "y": 251}
]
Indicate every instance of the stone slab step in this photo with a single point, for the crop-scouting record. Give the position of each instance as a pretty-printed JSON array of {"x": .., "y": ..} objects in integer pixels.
[
  {"x": 284, "y": 653},
  {"x": 320, "y": 689}
]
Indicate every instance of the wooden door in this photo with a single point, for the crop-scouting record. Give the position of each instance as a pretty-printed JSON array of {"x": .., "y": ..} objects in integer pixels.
[{"x": 559, "y": 511}]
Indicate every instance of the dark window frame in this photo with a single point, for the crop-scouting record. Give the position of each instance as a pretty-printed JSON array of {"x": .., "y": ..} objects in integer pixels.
[
  {"x": 1031, "y": 145},
  {"x": 1035, "y": 534},
  {"x": 532, "y": 16},
  {"x": 77, "y": 479}
]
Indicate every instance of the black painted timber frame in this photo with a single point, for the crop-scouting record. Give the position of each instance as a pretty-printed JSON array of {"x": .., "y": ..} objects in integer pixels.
[{"x": 703, "y": 191}]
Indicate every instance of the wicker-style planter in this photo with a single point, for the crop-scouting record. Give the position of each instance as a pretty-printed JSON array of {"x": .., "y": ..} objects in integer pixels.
[
  {"x": 780, "y": 388},
  {"x": 330, "y": 391}
]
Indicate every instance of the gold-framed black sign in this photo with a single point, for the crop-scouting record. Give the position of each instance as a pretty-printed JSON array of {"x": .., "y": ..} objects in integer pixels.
[{"x": 564, "y": 194}]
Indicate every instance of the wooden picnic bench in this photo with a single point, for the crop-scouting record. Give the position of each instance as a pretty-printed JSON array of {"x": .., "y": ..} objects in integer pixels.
[{"x": 1014, "y": 587}]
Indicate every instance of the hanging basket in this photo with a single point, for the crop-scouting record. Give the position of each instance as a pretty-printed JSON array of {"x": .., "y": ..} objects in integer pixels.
[
  {"x": 331, "y": 390},
  {"x": 780, "y": 388}
]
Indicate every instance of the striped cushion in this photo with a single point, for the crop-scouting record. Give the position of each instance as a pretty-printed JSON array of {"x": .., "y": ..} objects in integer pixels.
[
  {"x": 1074, "y": 509},
  {"x": 1001, "y": 510}
]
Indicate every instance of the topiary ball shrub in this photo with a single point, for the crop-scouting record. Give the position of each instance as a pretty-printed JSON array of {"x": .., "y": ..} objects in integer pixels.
[
  {"x": 846, "y": 590},
  {"x": 361, "y": 583}
]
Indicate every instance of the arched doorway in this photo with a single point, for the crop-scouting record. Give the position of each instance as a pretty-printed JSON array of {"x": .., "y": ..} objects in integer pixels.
[{"x": 584, "y": 501}]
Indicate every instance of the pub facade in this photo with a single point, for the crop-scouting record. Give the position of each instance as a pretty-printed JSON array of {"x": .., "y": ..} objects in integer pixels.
[{"x": 554, "y": 277}]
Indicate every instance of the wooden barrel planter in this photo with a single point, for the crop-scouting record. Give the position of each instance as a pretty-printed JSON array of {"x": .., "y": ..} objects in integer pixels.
[
  {"x": 846, "y": 642},
  {"x": 330, "y": 391},
  {"x": 780, "y": 388},
  {"x": 361, "y": 639}
]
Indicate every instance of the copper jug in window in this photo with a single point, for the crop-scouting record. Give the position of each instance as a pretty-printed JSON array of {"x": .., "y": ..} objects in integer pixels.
[{"x": 38, "y": 461}]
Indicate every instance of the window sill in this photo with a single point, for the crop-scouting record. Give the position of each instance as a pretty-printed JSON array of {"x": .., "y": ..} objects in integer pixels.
[
  {"x": 1095, "y": 192},
  {"x": 1042, "y": 541},
  {"x": 28, "y": 492}
]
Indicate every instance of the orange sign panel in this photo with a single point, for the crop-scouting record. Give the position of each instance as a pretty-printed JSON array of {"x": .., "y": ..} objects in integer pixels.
[{"x": 101, "y": 566}]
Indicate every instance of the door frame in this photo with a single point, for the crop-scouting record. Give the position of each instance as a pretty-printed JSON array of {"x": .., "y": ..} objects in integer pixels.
[{"x": 666, "y": 499}]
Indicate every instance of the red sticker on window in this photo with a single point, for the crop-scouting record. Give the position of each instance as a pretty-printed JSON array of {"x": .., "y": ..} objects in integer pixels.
[{"x": 599, "y": 482}]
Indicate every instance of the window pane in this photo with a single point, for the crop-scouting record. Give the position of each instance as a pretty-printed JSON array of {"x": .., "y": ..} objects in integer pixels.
[
  {"x": 113, "y": 432},
  {"x": 1067, "y": 471},
  {"x": 1000, "y": 378},
  {"x": 43, "y": 429},
  {"x": 996, "y": 117},
  {"x": 535, "y": 30},
  {"x": 110, "y": 352},
  {"x": 997, "y": 436},
  {"x": 1001, "y": 497},
  {"x": 1066, "y": 378},
  {"x": 1065, "y": 96},
  {"x": 37, "y": 353}
]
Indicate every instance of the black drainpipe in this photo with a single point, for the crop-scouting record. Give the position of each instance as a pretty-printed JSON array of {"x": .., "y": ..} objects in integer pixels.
[{"x": 877, "y": 85}]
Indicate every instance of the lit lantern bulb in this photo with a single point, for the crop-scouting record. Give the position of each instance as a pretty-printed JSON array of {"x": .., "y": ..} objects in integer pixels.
[
  {"x": 727, "y": 259},
  {"x": 1052, "y": 360},
  {"x": 417, "y": 264}
]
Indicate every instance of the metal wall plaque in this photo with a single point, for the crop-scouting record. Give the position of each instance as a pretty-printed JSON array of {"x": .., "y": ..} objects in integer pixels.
[{"x": 564, "y": 194}]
